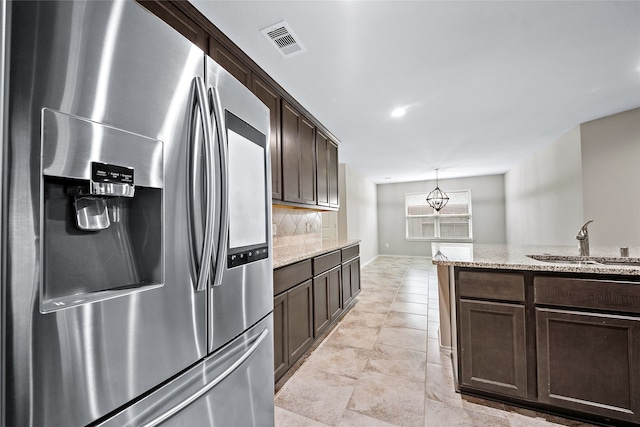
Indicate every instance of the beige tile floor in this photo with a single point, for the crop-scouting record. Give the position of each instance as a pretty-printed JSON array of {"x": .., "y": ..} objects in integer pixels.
[{"x": 382, "y": 365}]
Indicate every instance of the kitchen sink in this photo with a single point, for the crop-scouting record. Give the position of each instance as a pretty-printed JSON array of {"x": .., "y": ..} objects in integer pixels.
[
  {"x": 630, "y": 263},
  {"x": 585, "y": 261},
  {"x": 577, "y": 260}
]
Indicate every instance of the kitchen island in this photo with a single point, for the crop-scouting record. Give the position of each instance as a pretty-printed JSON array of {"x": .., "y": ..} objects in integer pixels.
[{"x": 559, "y": 334}]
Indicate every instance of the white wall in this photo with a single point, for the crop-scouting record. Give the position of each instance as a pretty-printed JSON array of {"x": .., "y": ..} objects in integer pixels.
[
  {"x": 544, "y": 195},
  {"x": 488, "y": 212},
  {"x": 611, "y": 178},
  {"x": 358, "y": 215}
]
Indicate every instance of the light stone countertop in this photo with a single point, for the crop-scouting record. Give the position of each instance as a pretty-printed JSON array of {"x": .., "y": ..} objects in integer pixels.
[
  {"x": 514, "y": 257},
  {"x": 289, "y": 254}
]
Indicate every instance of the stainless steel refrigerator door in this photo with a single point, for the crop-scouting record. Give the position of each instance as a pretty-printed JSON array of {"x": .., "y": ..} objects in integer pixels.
[
  {"x": 232, "y": 387},
  {"x": 116, "y": 64},
  {"x": 3, "y": 108},
  {"x": 240, "y": 295}
]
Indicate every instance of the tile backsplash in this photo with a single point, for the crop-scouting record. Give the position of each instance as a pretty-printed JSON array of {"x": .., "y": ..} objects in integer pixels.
[{"x": 294, "y": 226}]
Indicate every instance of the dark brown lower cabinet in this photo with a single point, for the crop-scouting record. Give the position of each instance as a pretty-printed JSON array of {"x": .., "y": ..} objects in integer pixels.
[
  {"x": 589, "y": 362},
  {"x": 292, "y": 325},
  {"x": 567, "y": 343},
  {"x": 350, "y": 280},
  {"x": 335, "y": 293},
  {"x": 492, "y": 348},
  {"x": 280, "y": 343},
  {"x": 300, "y": 320},
  {"x": 321, "y": 314},
  {"x": 355, "y": 277},
  {"x": 309, "y": 297},
  {"x": 327, "y": 303},
  {"x": 347, "y": 294}
]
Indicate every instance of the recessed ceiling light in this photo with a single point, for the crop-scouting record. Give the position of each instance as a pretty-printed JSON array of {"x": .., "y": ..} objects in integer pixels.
[
  {"x": 399, "y": 112},
  {"x": 387, "y": 177}
]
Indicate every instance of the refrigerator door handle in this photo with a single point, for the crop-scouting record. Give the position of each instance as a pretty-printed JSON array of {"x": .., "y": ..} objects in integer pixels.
[
  {"x": 209, "y": 185},
  {"x": 204, "y": 390},
  {"x": 217, "y": 112}
]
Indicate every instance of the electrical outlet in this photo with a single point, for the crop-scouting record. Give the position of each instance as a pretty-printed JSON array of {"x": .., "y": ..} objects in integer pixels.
[{"x": 386, "y": 245}]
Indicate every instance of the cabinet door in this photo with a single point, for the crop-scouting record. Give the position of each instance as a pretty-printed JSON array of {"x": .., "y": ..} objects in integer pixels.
[
  {"x": 299, "y": 320},
  {"x": 321, "y": 311},
  {"x": 589, "y": 362},
  {"x": 280, "y": 341},
  {"x": 347, "y": 296},
  {"x": 332, "y": 174},
  {"x": 322, "y": 154},
  {"x": 307, "y": 143},
  {"x": 355, "y": 277},
  {"x": 229, "y": 62},
  {"x": 272, "y": 99},
  {"x": 180, "y": 22},
  {"x": 493, "y": 347},
  {"x": 335, "y": 293},
  {"x": 290, "y": 154}
]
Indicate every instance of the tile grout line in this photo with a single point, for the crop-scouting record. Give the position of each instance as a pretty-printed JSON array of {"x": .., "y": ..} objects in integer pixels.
[{"x": 370, "y": 352}]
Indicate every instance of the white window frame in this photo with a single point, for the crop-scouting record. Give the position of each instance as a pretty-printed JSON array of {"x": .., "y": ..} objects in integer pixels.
[{"x": 437, "y": 217}]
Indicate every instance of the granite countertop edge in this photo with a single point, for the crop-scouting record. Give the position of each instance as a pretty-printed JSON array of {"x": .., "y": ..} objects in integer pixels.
[
  {"x": 290, "y": 254},
  {"x": 514, "y": 257}
]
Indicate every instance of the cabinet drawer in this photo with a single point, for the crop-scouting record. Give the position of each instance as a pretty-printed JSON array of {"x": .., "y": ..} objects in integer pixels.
[
  {"x": 497, "y": 286},
  {"x": 287, "y": 277},
  {"x": 586, "y": 293},
  {"x": 325, "y": 262},
  {"x": 350, "y": 252}
]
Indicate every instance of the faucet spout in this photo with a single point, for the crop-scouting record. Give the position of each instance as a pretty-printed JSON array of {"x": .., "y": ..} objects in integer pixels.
[{"x": 583, "y": 239}]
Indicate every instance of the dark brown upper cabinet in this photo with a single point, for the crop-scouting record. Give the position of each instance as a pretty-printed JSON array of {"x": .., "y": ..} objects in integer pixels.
[
  {"x": 327, "y": 171},
  {"x": 272, "y": 99},
  {"x": 301, "y": 175},
  {"x": 178, "y": 21},
  {"x": 308, "y": 161},
  {"x": 323, "y": 174},
  {"x": 298, "y": 157},
  {"x": 332, "y": 174},
  {"x": 230, "y": 62}
]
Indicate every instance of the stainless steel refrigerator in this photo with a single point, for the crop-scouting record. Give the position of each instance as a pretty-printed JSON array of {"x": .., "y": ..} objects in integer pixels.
[{"x": 136, "y": 225}]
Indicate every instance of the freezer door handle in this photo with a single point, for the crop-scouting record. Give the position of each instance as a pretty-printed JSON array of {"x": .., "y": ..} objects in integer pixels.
[
  {"x": 216, "y": 113},
  {"x": 204, "y": 390},
  {"x": 194, "y": 207}
]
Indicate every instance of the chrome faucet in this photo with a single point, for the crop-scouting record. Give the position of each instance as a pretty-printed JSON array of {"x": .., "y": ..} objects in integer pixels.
[{"x": 583, "y": 239}]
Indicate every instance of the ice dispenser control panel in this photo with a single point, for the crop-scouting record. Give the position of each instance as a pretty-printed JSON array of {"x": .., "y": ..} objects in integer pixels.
[{"x": 111, "y": 180}]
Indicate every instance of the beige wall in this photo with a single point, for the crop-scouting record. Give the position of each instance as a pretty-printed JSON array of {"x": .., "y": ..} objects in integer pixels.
[
  {"x": 358, "y": 215},
  {"x": 487, "y": 204},
  {"x": 611, "y": 178},
  {"x": 544, "y": 195},
  {"x": 592, "y": 172}
]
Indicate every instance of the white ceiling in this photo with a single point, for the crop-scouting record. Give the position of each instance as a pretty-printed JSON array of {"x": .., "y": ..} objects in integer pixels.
[{"x": 486, "y": 83}]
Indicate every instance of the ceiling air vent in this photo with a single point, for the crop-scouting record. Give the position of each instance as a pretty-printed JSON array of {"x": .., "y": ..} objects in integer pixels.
[{"x": 283, "y": 39}]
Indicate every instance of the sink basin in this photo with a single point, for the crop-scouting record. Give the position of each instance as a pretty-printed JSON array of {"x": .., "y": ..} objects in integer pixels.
[
  {"x": 571, "y": 261},
  {"x": 576, "y": 260},
  {"x": 630, "y": 263},
  {"x": 585, "y": 261}
]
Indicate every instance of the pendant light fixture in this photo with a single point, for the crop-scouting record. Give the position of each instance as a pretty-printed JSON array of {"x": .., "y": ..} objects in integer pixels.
[{"x": 437, "y": 199}]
